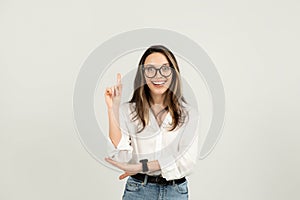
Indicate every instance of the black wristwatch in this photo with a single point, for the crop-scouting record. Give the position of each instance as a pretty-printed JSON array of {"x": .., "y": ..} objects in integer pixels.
[{"x": 144, "y": 165}]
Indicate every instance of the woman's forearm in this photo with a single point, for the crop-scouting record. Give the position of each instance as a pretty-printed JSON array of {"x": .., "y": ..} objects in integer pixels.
[
  {"x": 153, "y": 166},
  {"x": 114, "y": 128}
]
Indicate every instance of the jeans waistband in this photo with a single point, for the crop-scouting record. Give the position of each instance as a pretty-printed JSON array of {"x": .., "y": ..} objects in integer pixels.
[{"x": 158, "y": 179}]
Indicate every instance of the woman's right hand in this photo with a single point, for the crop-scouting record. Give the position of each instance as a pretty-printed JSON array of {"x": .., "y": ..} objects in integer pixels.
[{"x": 113, "y": 94}]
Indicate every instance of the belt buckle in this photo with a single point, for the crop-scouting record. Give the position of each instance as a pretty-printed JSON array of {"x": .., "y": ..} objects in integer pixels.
[{"x": 162, "y": 181}]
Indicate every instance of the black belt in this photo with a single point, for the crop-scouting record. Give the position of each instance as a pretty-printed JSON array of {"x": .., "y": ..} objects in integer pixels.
[{"x": 157, "y": 179}]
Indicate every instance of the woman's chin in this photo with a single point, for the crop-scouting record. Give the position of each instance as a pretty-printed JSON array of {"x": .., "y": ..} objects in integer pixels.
[{"x": 158, "y": 91}]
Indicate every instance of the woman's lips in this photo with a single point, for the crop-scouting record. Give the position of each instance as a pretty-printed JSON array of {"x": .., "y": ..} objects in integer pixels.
[{"x": 158, "y": 82}]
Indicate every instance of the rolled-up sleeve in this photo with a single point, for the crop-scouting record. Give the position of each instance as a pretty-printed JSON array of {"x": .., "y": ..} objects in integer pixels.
[
  {"x": 177, "y": 162},
  {"x": 123, "y": 151}
]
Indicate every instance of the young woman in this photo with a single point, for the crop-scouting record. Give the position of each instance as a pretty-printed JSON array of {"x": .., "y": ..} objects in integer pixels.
[{"x": 154, "y": 134}]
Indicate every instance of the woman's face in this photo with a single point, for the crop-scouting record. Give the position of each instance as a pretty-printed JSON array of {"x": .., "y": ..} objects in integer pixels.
[{"x": 159, "y": 82}]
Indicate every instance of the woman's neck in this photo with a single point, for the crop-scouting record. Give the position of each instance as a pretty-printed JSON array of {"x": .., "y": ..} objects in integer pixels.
[{"x": 158, "y": 100}]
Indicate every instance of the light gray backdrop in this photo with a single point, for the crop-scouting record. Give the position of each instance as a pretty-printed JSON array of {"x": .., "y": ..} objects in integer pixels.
[{"x": 254, "y": 45}]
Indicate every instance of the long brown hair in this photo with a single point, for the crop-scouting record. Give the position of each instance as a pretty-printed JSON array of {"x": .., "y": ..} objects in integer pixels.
[{"x": 173, "y": 98}]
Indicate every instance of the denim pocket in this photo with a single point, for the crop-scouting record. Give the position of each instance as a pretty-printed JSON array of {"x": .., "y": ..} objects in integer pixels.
[
  {"x": 182, "y": 188},
  {"x": 132, "y": 185}
]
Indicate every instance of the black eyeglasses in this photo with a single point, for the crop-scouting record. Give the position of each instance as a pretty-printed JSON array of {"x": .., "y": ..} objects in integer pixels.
[{"x": 150, "y": 70}]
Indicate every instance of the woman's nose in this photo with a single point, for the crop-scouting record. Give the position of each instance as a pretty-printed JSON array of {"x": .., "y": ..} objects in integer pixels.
[{"x": 158, "y": 75}]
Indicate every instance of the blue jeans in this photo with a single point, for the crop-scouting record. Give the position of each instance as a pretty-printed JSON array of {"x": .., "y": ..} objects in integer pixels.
[{"x": 142, "y": 190}]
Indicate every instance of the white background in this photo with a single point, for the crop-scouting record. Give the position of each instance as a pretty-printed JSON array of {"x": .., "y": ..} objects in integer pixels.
[{"x": 254, "y": 45}]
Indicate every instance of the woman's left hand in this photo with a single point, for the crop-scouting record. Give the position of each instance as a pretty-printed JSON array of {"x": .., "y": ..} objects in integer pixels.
[{"x": 129, "y": 169}]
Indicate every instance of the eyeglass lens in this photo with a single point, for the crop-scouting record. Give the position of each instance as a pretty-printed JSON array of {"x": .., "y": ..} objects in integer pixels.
[{"x": 150, "y": 70}]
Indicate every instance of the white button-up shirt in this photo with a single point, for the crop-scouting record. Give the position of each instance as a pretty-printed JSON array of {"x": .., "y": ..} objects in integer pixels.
[{"x": 176, "y": 151}]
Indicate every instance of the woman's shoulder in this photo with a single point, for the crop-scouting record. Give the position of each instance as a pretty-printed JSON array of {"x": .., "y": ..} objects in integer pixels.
[{"x": 190, "y": 109}]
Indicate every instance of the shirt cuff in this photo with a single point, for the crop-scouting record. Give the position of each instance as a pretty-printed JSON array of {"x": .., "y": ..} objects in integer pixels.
[
  {"x": 168, "y": 167},
  {"x": 123, "y": 151},
  {"x": 124, "y": 143}
]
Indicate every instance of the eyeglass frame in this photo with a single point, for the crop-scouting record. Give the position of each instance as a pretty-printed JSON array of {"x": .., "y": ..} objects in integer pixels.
[{"x": 158, "y": 69}]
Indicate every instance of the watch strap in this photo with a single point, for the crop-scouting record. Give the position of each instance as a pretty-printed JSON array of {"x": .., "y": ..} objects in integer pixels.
[{"x": 144, "y": 165}]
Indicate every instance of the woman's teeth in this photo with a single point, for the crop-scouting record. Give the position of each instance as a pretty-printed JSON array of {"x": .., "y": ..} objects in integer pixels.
[{"x": 158, "y": 82}]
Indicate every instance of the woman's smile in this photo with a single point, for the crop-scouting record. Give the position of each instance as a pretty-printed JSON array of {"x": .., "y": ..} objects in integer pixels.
[{"x": 158, "y": 83}]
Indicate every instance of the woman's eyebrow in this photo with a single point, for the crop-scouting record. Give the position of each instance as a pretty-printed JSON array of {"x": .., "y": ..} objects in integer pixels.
[{"x": 152, "y": 64}]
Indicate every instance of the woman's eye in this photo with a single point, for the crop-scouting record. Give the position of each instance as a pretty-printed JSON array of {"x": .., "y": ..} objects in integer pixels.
[
  {"x": 150, "y": 69},
  {"x": 165, "y": 68}
]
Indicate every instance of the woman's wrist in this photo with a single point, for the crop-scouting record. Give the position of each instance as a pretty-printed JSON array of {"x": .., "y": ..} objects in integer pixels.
[
  {"x": 153, "y": 165},
  {"x": 139, "y": 168},
  {"x": 114, "y": 109}
]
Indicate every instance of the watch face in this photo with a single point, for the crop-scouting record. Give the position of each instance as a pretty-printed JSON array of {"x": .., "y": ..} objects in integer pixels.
[{"x": 144, "y": 165}]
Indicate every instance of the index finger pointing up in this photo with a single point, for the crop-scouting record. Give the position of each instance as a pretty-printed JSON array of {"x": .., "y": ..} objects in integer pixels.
[{"x": 119, "y": 78}]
